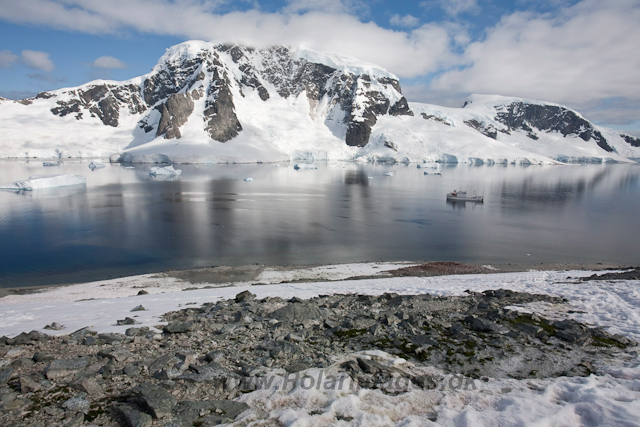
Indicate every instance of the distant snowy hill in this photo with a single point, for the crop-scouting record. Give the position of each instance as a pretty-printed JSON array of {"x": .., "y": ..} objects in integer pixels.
[{"x": 207, "y": 103}]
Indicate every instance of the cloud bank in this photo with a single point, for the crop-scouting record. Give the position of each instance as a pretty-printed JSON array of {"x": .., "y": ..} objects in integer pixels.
[
  {"x": 108, "y": 62},
  {"x": 584, "y": 55}
]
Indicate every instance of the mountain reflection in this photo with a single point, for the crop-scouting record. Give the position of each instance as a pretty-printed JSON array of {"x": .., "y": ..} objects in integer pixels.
[{"x": 125, "y": 222}]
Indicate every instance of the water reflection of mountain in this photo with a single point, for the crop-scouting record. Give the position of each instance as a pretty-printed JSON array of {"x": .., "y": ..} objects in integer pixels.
[{"x": 123, "y": 222}]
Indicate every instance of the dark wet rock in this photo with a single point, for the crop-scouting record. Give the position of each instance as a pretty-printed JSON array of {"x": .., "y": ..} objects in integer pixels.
[
  {"x": 62, "y": 368},
  {"x": 81, "y": 334},
  {"x": 299, "y": 312},
  {"x": 133, "y": 417},
  {"x": 245, "y": 296},
  {"x": 153, "y": 399},
  {"x": 117, "y": 354},
  {"x": 127, "y": 321},
  {"x": 111, "y": 338},
  {"x": 41, "y": 357},
  {"x": 90, "y": 386},
  {"x": 55, "y": 326},
  {"x": 5, "y": 375},
  {"x": 179, "y": 327}
]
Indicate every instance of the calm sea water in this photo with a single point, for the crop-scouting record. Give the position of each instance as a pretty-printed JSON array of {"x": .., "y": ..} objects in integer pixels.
[{"x": 125, "y": 222}]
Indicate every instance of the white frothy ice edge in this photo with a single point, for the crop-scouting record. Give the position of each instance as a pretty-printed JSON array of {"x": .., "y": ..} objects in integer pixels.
[
  {"x": 610, "y": 398},
  {"x": 612, "y": 305}
]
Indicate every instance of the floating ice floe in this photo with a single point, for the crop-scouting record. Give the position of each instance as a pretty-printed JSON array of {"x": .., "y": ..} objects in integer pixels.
[
  {"x": 50, "y": 163},
  {"x": 388, "y": 174},
  {"x": 96, "y": 165},
  {"x": 164, "y": 171},
  {"x": 248, "y": 179},
  {"x": 45, "y": 181},
  {"x": 304, "y": 166}
]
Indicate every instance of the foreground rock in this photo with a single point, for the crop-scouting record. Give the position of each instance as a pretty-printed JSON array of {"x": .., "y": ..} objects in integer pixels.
[{"x": 193, "y": 372}]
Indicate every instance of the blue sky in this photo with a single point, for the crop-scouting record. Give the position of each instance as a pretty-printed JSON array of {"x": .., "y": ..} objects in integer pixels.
[{"x": 582, "y": 54}]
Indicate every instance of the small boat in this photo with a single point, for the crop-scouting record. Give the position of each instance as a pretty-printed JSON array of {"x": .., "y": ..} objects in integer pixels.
[{"x": 461, "y": 196}]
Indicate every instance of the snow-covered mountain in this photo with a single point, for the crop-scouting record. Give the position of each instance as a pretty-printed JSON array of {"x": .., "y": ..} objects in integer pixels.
[{"x": 222, "y": 103}]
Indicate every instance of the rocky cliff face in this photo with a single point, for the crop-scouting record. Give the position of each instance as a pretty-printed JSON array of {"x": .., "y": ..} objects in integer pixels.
[
  {"x": 168, "y": 97},
  {"x": 533, "y": 118}
]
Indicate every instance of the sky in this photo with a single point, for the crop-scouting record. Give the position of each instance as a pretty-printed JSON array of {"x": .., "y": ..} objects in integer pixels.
[{"x": 582, "y": 54}]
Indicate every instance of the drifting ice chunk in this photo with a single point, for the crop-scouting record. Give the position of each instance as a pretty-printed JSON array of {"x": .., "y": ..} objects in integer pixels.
[
  {"x": 96, "y": 165},
  {"x": 304, "y": 166},
  {"x": 249, "y": 179},
  {"x": 164, "y": 171},
  {"x": 50, "y": 163},
  {"x": 45, "y": 181},
  {"x": 388, "y": 174}
]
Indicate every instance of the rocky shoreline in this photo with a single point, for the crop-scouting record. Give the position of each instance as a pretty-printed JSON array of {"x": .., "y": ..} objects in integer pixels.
[{"x": 208, "y": 359}]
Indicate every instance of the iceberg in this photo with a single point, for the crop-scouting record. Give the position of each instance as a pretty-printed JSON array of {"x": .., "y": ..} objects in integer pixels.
[
  {"x": 388, "y": 174},
  {"x": 45, "y": 181},
  {"x": 164, "y": 171},
  {"x": 248, "y": 179},
  {"x": 96, "y": 165},
  {"x": 50, "y": 163},
  {"x": 299, "y": 166}
]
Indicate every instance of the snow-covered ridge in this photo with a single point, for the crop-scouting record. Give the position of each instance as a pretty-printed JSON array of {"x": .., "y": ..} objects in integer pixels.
[
  {"x": 343, "y": 63},
  {"x": 207, "y": 103}
]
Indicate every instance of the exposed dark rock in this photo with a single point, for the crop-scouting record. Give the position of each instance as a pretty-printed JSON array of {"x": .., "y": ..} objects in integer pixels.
[
  {"x": 179, "y": 327},
  {"x": 126, "y": 321},
  {"x": 486, "y": 130},
  {"x": 55, "y": 326},
  {"x": 631, "y": 140},
  {"x": 437, "y": 119},
  {"x": 173, "y": 114},
  {"x": 245, "y": 296},
  {"x": 632, "y": 274},
  {"x": 401, "y": 108},
  {"x": 549, "y": 118},
  {"x": 132, "y": 417},
  {"x": 153, "y": 399},
  {"x": 66, "y": 367},
  {"x": 193, "y": 377},
  {"x": 221, "y": 122},
  {"x": 300, "y": 312}
]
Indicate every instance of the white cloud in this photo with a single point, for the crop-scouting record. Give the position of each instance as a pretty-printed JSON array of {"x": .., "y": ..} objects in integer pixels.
[
  {"x": 584, "y": 55},
  {"x": 326, "y": 27},
  {"x": 326, "y": 6},
  {"x": 7, "y": 58},
  {"x": 37, "y": 60},
  {"x": 453, "y": 7},
  {"x": 407, "y": 21},
  {"x": 108, "y": 62}
]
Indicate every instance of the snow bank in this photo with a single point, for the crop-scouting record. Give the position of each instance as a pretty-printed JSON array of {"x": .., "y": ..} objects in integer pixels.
[{"x": 45, "y": 181}]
